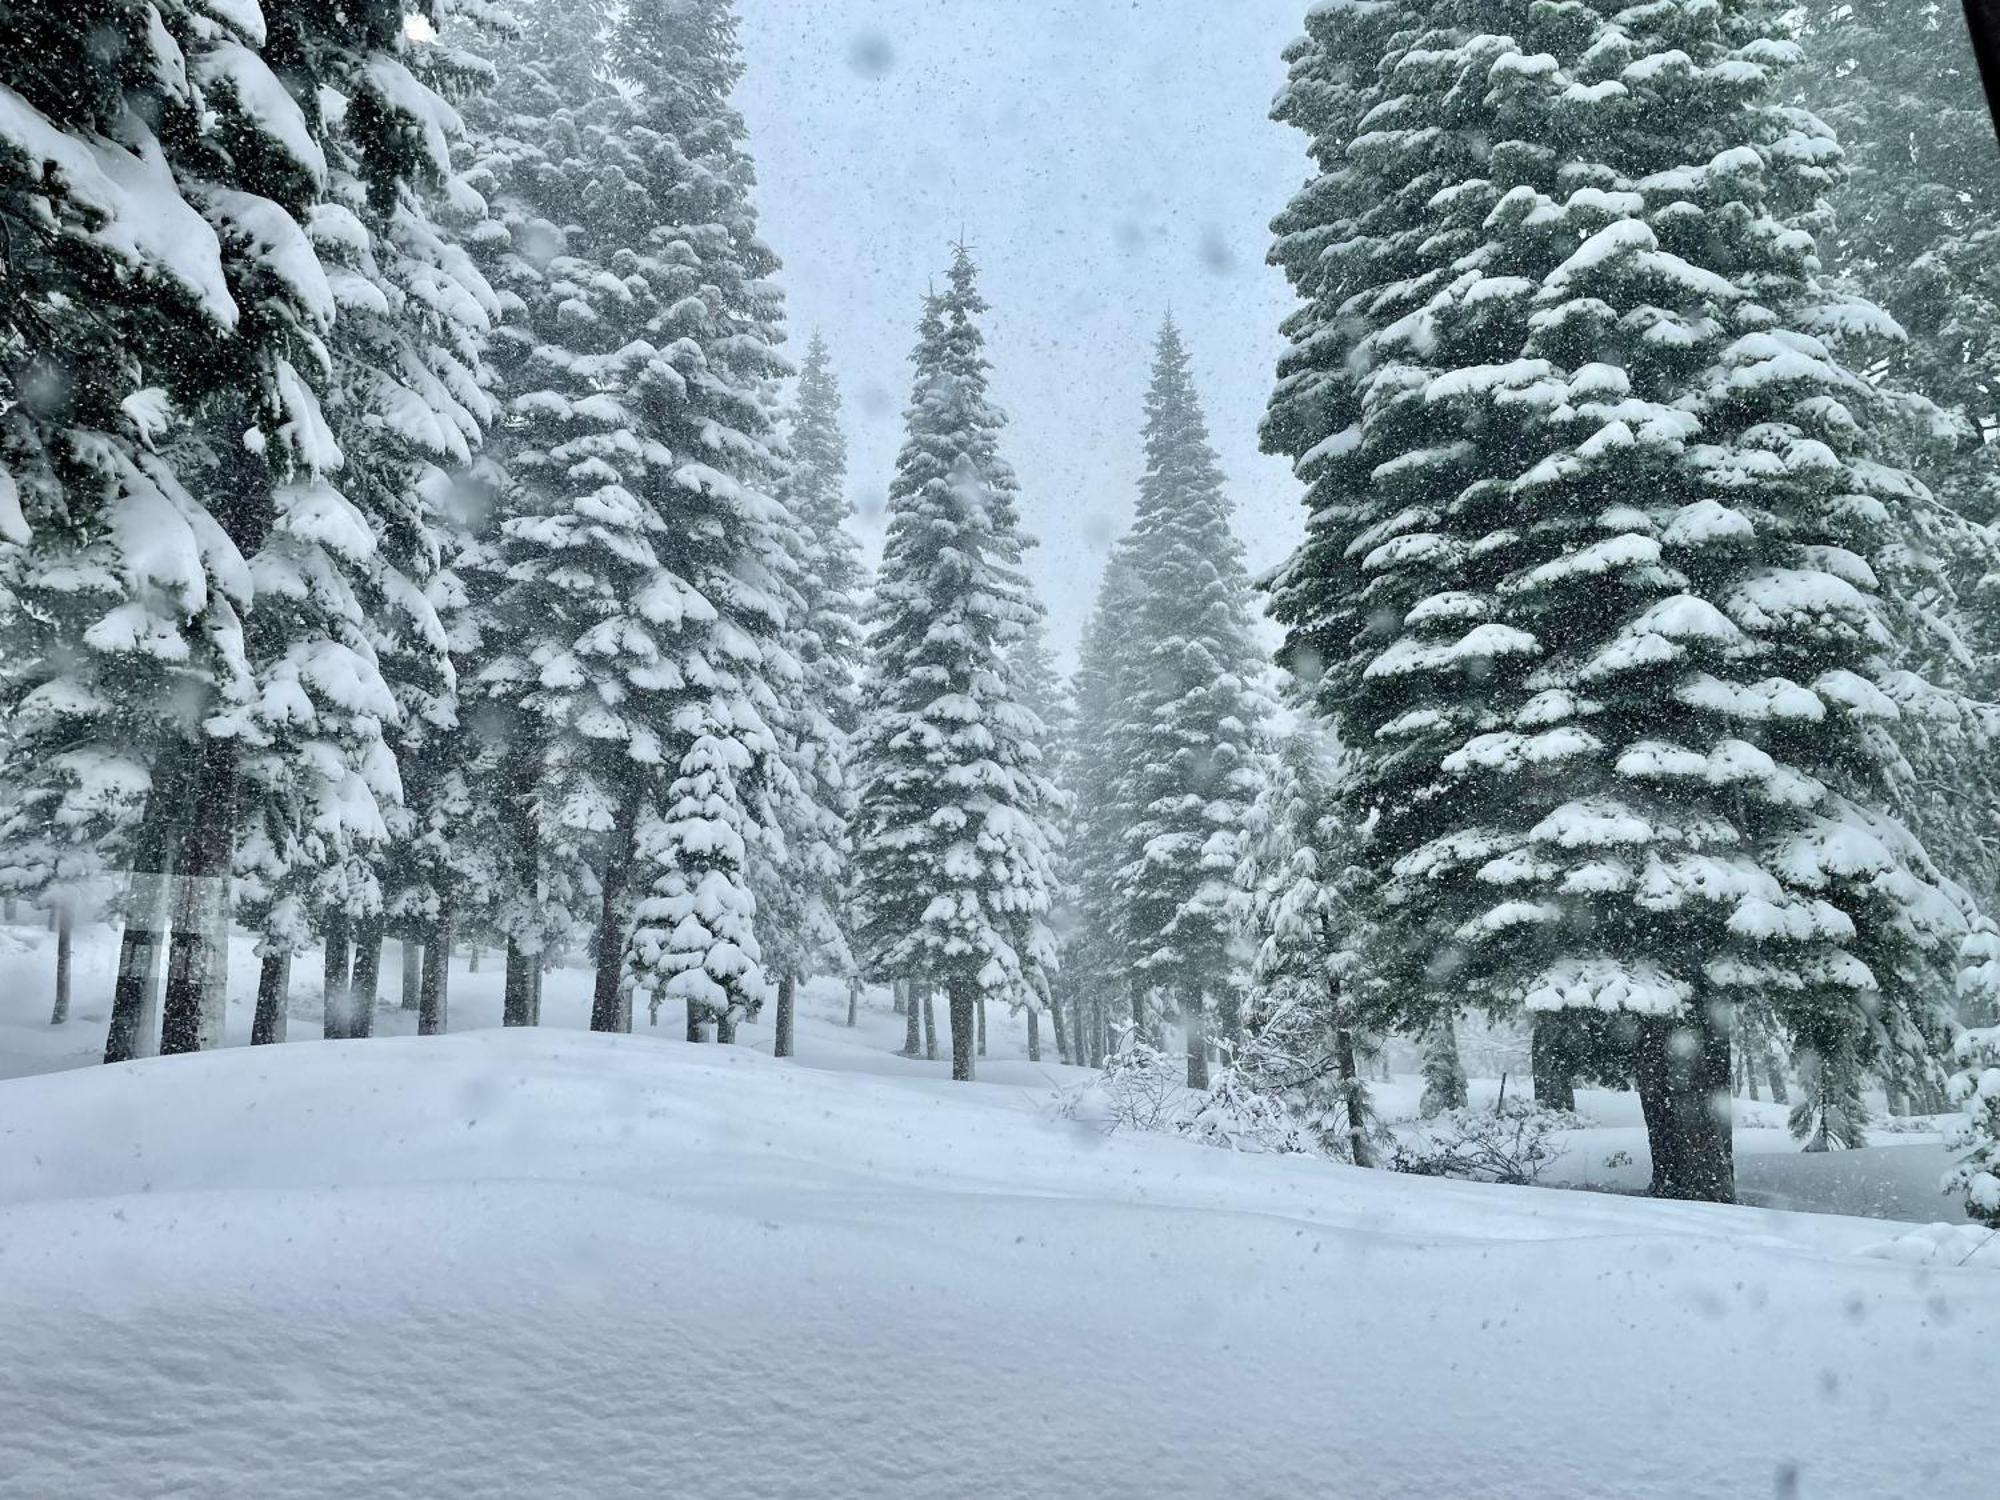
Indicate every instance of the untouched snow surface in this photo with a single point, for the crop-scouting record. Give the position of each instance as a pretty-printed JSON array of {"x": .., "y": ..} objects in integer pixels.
[{"x": 544, "y": 1263}]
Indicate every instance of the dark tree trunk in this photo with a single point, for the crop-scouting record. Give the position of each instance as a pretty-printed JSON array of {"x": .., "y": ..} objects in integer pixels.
[
  {"x": 930, "y": 1025},
  {"x": 695, "y": 1017},
  {"x": 1749, "y": 1073},
  {"x": 1351, "y": 1094},
  {"x": 1683, "y": 1076},
  {"x": 191, "y": 1015},
  {"x": 338, "y": 1018},
  {"x": 1548, "y": 1050},
  {"x": 472, "y": 958},
  {"x": 1083, "y": 1026},
  {"x": 1229, "y": 1014},
  {"x": 413, "y": 973},
  {"x": 1138, "y": 1013},
  {"x": 982, "y": 1025},
  {"x": 725, "y": 1027},
  {"x": 1035, "y": 1035},
  {"x": 148, "y": 906},
  {"x": 367, "y": 977},
  {"x": 1195, "y": 1018},
  {"x": 274, "y": 981},
  {"x": 517, "y": 1002},
  {"x": 963, "y": 1000},
  {"x": 1058, "y": 1022},
  {"x": 853, "y": 1003},
  {"x": 913, "y": 1017},
  {"x": 785, "y": 1021},
  {"x": 606, "y": 1011},
  {"x": 433, "y": 1007},
  {"x": 535, "y": 989},
  {"x": 897, "y": 997},
  {"x": 1774, "y": 1071},
  {"x": 65, "y": 945}
]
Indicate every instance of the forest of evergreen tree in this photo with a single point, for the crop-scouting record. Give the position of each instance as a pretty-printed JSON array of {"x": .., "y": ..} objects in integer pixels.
[{"x": 414, "y": 529}]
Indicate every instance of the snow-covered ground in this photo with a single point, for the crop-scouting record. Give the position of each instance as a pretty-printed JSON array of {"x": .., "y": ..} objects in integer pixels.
[{"x": 545, "y": 1263}]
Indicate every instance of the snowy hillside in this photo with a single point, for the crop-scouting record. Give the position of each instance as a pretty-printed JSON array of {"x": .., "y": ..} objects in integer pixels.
[{"x": 555, "y": 1263}]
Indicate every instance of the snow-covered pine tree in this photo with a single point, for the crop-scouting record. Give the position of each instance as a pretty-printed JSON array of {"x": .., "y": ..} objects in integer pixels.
[
  {"x": 1096, "y": 960},
  {"x": 953, "y": 843},
  {"x": 1044, "y": 694},
  {"x": 343, "y": 575},
  {"x": 646, "y": 577},
  {"x": 525, "y": 139},
  {"x": 1300, "y": 1043},
  {"x": 1976, "y": 1091},
  {"x": 718, "y": 322},
  {"x": 1444, "y": 1070},
  {"x": 1587, "y": 584},
  {"x": 1190, "y": 713},
  {"x": 803, "y": 896},
  {"x": 1916, "y": 228},
  {"x": 167, "y": 173},
  {"x": 412, "y": 405},
  {"x": 1917, "y": 219}
]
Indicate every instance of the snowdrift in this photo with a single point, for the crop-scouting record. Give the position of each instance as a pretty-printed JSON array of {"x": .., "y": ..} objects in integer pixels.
[{"x": 552, "y": 1264}]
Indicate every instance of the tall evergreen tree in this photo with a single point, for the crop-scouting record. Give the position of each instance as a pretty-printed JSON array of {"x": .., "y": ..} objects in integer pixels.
[
  {"x": 1191, "y": 713},
  {"x": 647, "y": 577},
  {"x": 1301, "y": 1045},
  {"x": 1098, "y": 965},
  {"x": 803, "y": 888},
  {"x": 1590, "y": 584},
  {"x": 954, "y": 840},
  {"x": 1916, "y": 229}
]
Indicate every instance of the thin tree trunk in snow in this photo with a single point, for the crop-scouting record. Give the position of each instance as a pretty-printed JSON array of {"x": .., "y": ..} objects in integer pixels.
[
  {"x": 913, "y": 1020},
  {"x": 783, "y": 1024},
  {"x": 608, "y": 1010},
  {"x": 694, "y": 1021},
  {"x": 517, "y": 990},
  {"x": 413, "y": 974},
  {"x": 65, "y": 943},
  {"x": 1058, "y": 1023},
  {"x": 1351, "y": 1092},
  {"x": 1195, "y": 1018},
  {"x": 339, "y": 1013},
  {"x": 1035, "y": 1035},
  {"x": 367, "y": 977},
  {"x": 535, "y": 989},
  {"x": 1774, "y": 1071},
  {"x": 853, "y": 1003},
  {"x": 472, "y": 958},
  {"x": 605, "y": 1012},
  {"x": 433, "y": 1010},
  {"x": 198, "y": 953},
  {"x": 930, "y": 1025},
  {"x": 274, "y": 981},
  {"x": 982, "y": 1025},
  {"x": 135, "y": 996},
  {"x": 964, "y": 1007}
]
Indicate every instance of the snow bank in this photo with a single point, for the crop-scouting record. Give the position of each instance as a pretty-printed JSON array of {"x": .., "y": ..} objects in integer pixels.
[{"x": 548, "y": 1263}]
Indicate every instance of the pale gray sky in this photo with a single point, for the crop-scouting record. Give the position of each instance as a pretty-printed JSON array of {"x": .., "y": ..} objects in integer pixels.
[{"x": 1106, "y": 159}]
